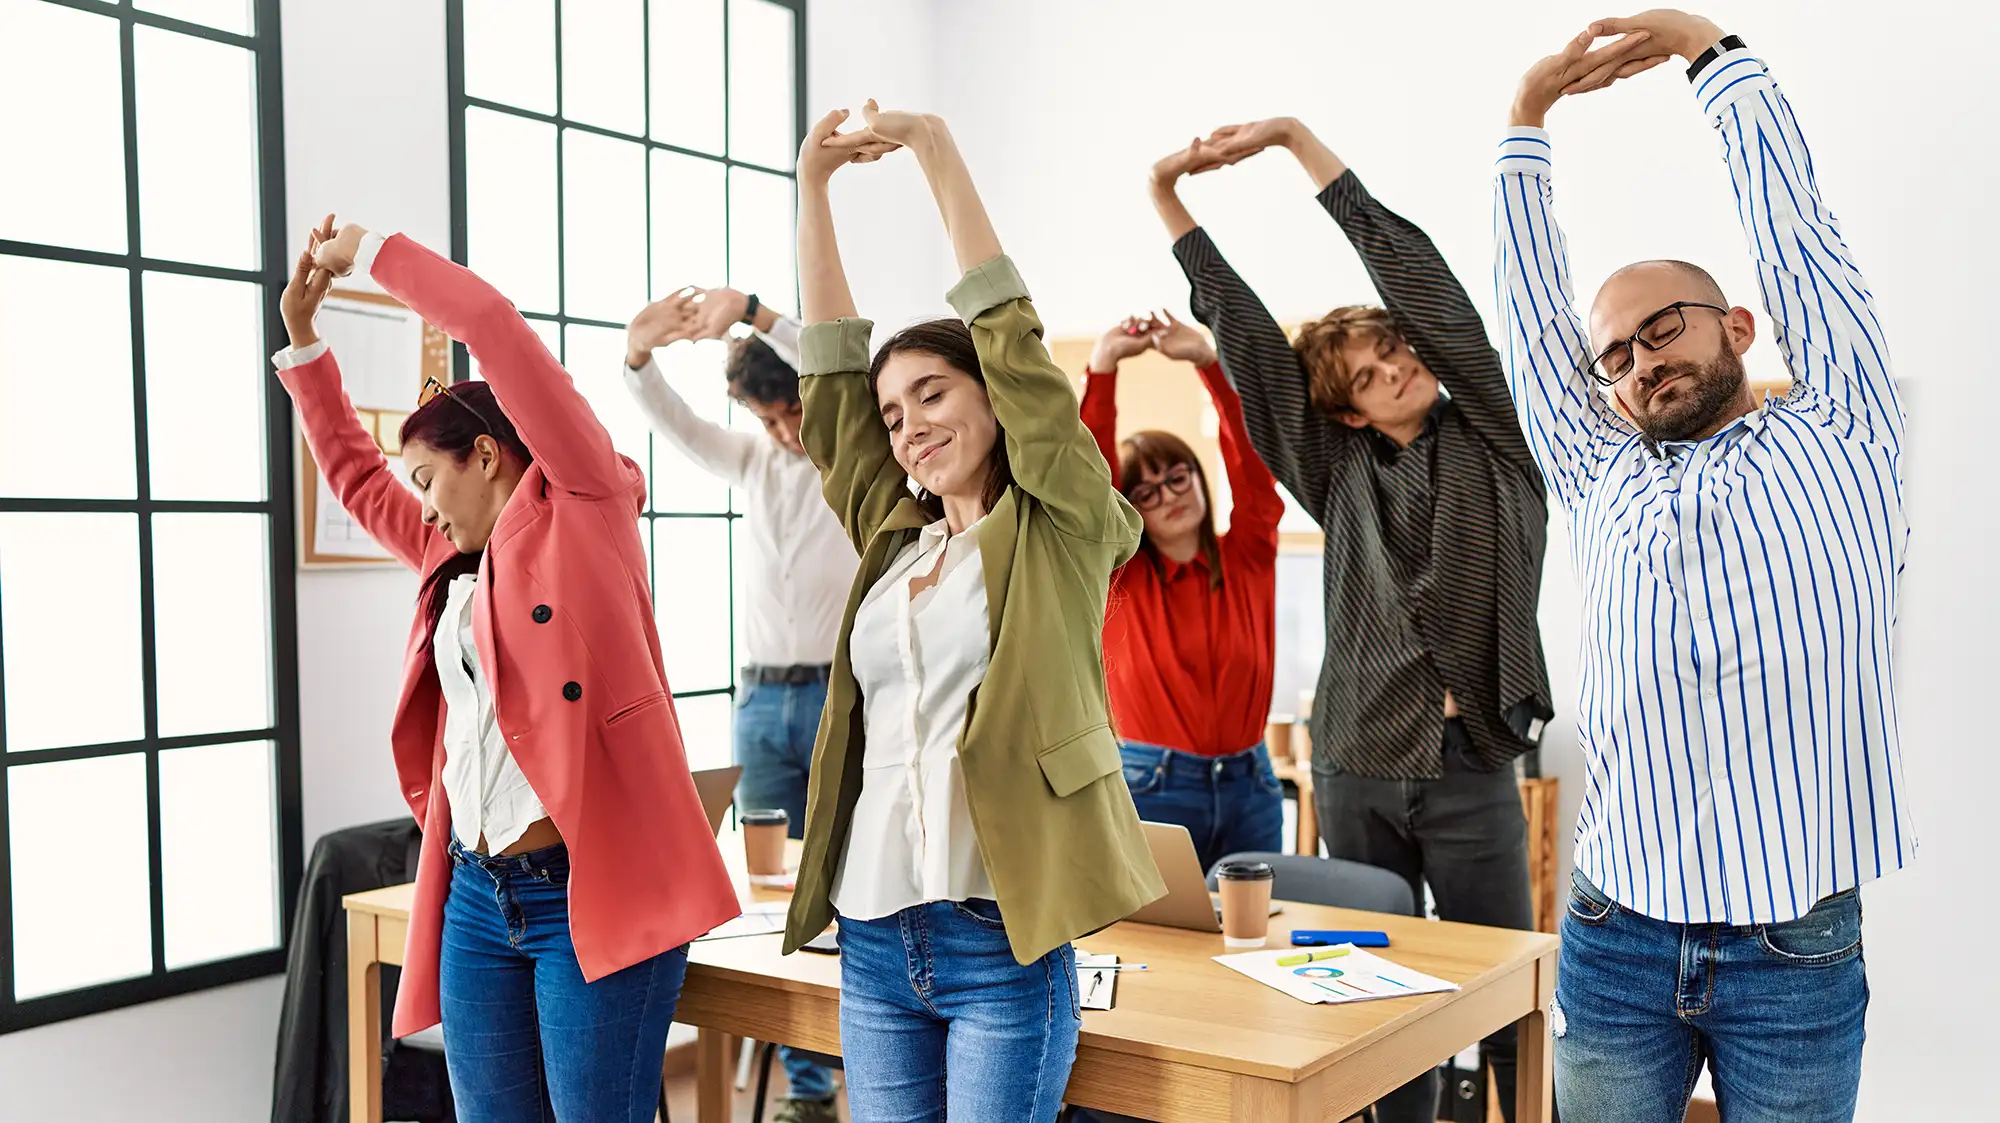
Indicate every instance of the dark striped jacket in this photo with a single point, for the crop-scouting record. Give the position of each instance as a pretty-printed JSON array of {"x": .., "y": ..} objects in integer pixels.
[{"x": 1393, "y": 650}]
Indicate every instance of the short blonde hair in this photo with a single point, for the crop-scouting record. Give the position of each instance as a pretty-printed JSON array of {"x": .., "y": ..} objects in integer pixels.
[{"x": 1319, "y": 345}]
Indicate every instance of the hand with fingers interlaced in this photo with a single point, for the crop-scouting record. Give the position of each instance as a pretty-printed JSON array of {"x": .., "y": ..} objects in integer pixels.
[
  {"x": 826, "y": 148},
  {"x": 1182, "y": 341},
  {"x": 1199, "y": 156},
  {"x": 1232, "y": 143},
  {"x": 1130, "y": 336},
  {"x": 658, "y": 324},
  {"x": 1579, "y": 68}
]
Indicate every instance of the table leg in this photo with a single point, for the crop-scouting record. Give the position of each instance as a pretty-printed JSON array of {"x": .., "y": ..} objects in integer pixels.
[
  {"x": 715, "y": 1090},
  {"x": 1535, "y": 1081},
  {"x": 1308, "y": 839},
  {"x": 364, "y": 1020}
]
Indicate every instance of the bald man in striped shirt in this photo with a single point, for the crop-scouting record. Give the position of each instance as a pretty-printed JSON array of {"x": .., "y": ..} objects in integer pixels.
[{"x": 1739, "y": 562}]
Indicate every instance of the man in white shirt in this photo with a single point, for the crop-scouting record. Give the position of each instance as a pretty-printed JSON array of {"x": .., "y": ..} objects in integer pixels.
[{"x": 801, "y": 561}]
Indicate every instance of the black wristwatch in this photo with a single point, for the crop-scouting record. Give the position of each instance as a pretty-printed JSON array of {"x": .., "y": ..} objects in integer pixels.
[
  {"x": 1726, "y": 43},
  {"x": 750, "y": 310}
]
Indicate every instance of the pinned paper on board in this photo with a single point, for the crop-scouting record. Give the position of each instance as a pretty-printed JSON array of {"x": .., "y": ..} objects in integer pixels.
[
  {"x": 385, "y": 352},
  {"x": 1356, "y": 976}
]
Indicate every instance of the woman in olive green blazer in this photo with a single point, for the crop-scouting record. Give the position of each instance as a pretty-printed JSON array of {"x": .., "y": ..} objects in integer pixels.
[{"x": 968, "y": 816}]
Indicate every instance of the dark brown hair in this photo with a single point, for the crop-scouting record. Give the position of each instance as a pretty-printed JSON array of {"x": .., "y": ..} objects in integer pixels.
[
  {"x": 948, "y": 339},
  {"x": 1160, "y": 451},
  {"x": 1329, "y": 382},
  {"x": 755, "y": 373},
  {"x": 450, "y": 423}
]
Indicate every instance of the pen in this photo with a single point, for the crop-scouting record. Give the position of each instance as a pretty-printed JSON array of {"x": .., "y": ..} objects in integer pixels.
[
  {"x": 1310, "y": 956},
  {"x": 1116, "y": 967}
]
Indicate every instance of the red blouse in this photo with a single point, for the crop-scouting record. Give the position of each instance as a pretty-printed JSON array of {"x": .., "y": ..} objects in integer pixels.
[{"x": 1189, "y": 662}]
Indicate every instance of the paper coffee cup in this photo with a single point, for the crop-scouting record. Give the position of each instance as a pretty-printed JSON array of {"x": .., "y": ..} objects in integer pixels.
[
  {"x": 1246, "y": 902},
  {"x": 764, "y": 841}
]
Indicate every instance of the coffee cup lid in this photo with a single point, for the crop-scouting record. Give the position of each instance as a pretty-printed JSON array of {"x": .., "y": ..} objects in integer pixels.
[
  {"x": 764, "y": 816},
  {"x": 1245, "y": 871}
]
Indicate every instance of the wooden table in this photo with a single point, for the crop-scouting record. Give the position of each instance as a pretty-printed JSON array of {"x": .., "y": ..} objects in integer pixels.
[{"x": 1188, "y": 1040}]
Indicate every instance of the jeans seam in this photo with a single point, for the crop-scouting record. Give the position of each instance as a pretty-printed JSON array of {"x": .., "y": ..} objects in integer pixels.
[{"x": 633, "y": 1067}]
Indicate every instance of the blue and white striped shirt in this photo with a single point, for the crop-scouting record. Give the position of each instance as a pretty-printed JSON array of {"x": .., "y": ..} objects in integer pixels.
[{"x": 1738, "y": 713}]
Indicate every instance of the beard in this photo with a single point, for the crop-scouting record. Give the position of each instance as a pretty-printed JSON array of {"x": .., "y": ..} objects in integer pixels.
[{"x": 1700, "y": 400}]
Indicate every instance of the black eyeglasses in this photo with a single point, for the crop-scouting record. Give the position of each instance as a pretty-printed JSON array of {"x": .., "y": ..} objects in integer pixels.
[
  {"x": 1660, "y": 329},
  {"x": 1176, "y": 482}
]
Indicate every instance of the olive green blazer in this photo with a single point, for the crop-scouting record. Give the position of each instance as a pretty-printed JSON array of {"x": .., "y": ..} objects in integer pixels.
[{"x": 1043, "y": 780}]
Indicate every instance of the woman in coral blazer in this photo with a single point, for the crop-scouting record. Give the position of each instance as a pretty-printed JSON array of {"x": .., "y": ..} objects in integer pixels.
[{"x": 567, "y": 862}]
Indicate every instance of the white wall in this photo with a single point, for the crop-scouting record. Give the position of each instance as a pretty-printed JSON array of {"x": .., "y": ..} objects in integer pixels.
[
  {"x": 366, "y": 137},
  {"x": 1062, "y": 122}
]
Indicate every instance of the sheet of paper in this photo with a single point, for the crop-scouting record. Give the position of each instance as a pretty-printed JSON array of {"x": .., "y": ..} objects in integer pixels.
[
  {"x": 336, "y": 534},
  {"x": 380, "y": 349},
  {"x": 1097, "y": 988},
  {"x": 1355, "y": 977},
  {"x": 757, "y": 920}
]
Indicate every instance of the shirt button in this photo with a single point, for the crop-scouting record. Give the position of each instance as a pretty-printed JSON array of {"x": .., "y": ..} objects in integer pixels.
[
  {"x": 572, "y": 691},
  {"x": 1708, "y": 692},
  {"x": 541, "y": 614}
]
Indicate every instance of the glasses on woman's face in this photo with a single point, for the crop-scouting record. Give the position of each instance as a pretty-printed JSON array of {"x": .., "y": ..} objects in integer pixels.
[
  {"x": 1660, "y": 329},
  {"x": 1178, "y": 479}
]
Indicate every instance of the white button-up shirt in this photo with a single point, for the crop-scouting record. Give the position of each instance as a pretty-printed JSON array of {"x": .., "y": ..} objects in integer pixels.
[
  {"x": 801, "y": 563},
  {"x": 917, "y": 661},
  {"x": 1738, "y": 711},
  {"x": 488, "y": 794}
]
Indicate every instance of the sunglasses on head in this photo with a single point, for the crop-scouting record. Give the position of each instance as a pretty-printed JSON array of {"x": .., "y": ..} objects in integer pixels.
[{"x": 433, "y": 388}]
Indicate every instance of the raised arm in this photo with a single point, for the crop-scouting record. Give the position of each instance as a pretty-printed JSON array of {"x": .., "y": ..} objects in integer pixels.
[
  {"x": 722, "y": 451},
  {"x": 353, "y": 465},
  {"x": 1545, "y": 351},
  {"x": 1825, "y": 316},
  {"x": 1255, "y": 506},
  {"x": 1052, "y": 455},
  {"x": 1128, "y": 337},
  {"x": 842, "y": 430},
  {"x": 568, "y": 441}
]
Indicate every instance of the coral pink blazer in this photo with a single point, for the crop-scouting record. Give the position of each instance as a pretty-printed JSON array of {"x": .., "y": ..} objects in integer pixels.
[{"x": 564, "y": 623}]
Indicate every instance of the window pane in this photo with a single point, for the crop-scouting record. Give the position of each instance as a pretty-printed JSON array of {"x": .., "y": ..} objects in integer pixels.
[
  {"x": 604, "y": 226},
  {"x": 510, "y": 206},
  {"x": 686, "y": 80},
  {"x": 197, "y": 149},
  {"x": 60, "y": 82},
  {"x": 223, "y": 15},
  {"x": 69, "y": 628},
  {"x": 604, "y": 65},
  {"x": 597, "y": 358},
  {"x": 761, "y": 101},
  {"x": 510, "y": 53},
  {"x": 761, "y": 242},
  {"x": 218, "y": 852},
  {"x": 76, "y": 832},
  {"x": 694, "y": 370},
  {"x": 212, "y": 622},
  {"x": 45, "y": 308},
  {"x": 690, "y": 583},
  {"x": 689, "y": 243},
  {"x": 706, "y": 724},
  {"x": 205, "y": 387}
]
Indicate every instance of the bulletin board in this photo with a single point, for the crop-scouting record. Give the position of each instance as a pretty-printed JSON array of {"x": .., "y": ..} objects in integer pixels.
[{"x": 386, "y": 353}]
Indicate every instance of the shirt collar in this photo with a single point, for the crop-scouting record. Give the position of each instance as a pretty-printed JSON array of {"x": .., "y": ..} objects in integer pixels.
[{"x": 1171, "y": 570}]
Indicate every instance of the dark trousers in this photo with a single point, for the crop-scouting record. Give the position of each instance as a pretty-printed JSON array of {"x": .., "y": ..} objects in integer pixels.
[{"x": 1465, "y": 835}]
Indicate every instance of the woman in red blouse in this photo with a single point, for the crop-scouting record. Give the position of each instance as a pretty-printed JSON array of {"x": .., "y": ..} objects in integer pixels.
[{"x": 1188, "y": 639}]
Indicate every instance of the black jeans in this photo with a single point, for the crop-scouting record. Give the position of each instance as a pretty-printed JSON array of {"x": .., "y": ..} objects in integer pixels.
[{"x": 1464, "y": 834}]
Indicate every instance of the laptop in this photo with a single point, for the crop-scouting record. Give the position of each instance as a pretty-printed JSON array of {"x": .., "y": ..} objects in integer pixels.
[
  {"x": 1187, "y": 903},
  {"x": 717, "y": 788}
]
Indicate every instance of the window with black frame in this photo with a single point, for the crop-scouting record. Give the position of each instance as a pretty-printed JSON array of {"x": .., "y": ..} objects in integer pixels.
[
  {"x": 148, "y": 712},
  {"x": 609, "y": 152}
]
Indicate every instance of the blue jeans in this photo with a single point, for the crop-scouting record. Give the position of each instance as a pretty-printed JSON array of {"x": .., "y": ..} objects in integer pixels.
[
  {"x": 1228, "y": 803},
  {"x": 1775, "y": 1010},
  {"x": 775, "y": 727},
  {"x": 934, "y": 1011},
  {"x": 526, "y": 1040}
]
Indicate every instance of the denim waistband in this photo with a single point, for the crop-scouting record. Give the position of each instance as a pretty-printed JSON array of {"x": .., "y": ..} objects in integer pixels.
[
  {"x": 1173, "y": 762},
  {"x": 527, "y": 862}
]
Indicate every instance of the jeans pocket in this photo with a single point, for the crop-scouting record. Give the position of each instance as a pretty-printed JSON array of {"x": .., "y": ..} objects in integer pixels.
[
  {"x": 1829, "y": 934},
  {"x": 982, "y": 912},
  {"x": 1143, "y": 780},
  {"x": 553, "y": 874},
  {"x": 1267, "y": 778},
  {"x": 1587, "y": 906}
]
